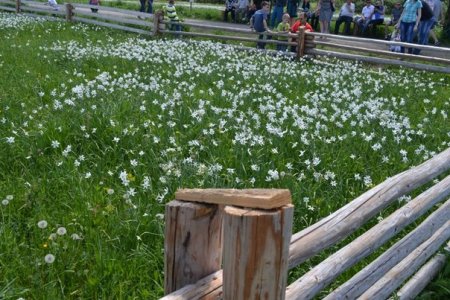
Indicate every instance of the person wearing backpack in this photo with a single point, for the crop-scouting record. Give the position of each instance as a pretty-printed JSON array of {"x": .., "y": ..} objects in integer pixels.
[{"x": 426, "y": 22}]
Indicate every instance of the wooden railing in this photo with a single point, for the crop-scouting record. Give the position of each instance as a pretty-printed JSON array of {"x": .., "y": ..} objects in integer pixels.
[
  {"x": 307, "y": 44},
  {"x": 256, "y": 255}
]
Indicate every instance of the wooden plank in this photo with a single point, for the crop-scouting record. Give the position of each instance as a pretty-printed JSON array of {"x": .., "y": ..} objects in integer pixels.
[
  {"x": 361, "y": 281},
  {"x": 421, "y": 279},
  {"x": 251, "y": 198},
  {"x": 223, "y": 37},
  {"x": 193, "y": 243},
  {"x": 8, "y": 2},
  {"x": 384, "y": 287},
  {"x": 49, "y": 11},
  {"x": 378, "y": 60},
  {"x": 330, "y": 230},
  {"x": 209, "y": 287},
  {"x": 331, "y": 37},
  {"x": 111, "y": 25},
  {"x": 384, "y": 52},
  {"x": 116, "y": 19},
  {"x": 324, "y": 273},
  {"x": 255, "y": 252},
  {"x": 7, "y": 8},
  {"x": 350, "y": 217},
  {"x": 124, "y": 12}
]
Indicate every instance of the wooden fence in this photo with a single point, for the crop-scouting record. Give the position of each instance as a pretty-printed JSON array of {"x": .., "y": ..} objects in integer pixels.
[
  {"x": 308, "y": 44},
  {"x": 237, "y": 244}
]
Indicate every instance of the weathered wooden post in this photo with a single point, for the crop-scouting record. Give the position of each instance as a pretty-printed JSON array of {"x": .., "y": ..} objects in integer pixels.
[
  {"x": 257, "y": 230},
  {"x": 157, "y": 18},
  {"x": 193, "y": 243},
  {"x": 18, "y": 2},
  {"x": 255, "y": 252},
  {"x": 69, "y": 12},
  {"x": 301, "y": 42}
]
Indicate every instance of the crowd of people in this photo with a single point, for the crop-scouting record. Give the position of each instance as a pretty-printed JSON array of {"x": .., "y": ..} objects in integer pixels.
[{"x": 409, "y": 20}]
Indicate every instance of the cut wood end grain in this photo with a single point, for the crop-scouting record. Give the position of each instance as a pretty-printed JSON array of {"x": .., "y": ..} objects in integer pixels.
[{"x": 249, "y": 198}]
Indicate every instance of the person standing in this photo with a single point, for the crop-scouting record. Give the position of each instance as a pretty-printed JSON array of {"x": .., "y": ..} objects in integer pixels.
[
  {"x": 242, "y": 10},
  {"x": 426, "y": 21},
  {"x": 325, "y": 14},
  {"x": 345, "y": 16},
  {"x": 292, "y": 7},
  {"x": 438, "y": 19},
  {"x": 277, "y": 12},
  {"x": 149, "y": 6},
  {"x": 409, "y": 22},
  {"x": 230, "y": 7},
  {"x": 258, "y": 23}
]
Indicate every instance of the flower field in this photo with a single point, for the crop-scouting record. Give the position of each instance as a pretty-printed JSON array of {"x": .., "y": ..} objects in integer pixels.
[{"x": 99, "y": 128}]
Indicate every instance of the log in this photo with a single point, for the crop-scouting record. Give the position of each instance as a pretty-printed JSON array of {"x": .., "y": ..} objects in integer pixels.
[
  {"x": 251, "y": 198},
  {"x": 324, "y": 273},
  {"x": 301, "y": 42},
  {"x": 361, "y": 281},
  {"x": 116, "y": 19},
  {"x": 384, "y": 52},
  {"x": 329, "y": 230},
  {"x": 7, "y": 8},
  {"x": 209, "y": 287},
  {"x": 124, "y": 12},
  {"x": 332, "y": 37},
  {"x": 111, "y": 25},
  {"x": 421, "y": 279},
  {"x": 193, "y": 243},
  {"x": 25, "y": 8},
  {"x": 255, "y": 252},
  {"x": 350, "y": 217},
  {"x": 394, "y": 278},
  {"x": 377, "y": 60}
]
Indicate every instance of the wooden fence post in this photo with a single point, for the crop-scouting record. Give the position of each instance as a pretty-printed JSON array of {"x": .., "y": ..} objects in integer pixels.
[
  {"x": 157, "y": 18},
  {"x": 301, "y": 42},
  {"x": 18, "y": 2},
  {"x": 255, "y": 252},
  {"x": 69, "y": 12},
  {"x": 193, "y": 243}
]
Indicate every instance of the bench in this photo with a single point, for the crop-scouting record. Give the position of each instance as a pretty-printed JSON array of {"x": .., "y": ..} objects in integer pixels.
[{"x": 257, "y": 248}]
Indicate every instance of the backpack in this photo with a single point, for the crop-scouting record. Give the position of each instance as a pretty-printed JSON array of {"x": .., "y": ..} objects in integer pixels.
[{"x": 427, "y": 13}]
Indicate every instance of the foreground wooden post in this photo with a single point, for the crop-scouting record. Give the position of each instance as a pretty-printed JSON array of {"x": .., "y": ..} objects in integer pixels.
[
  {"x": 193, "y": 243},
  {"x": 301, "y": 42},
  {"x": 69, "y": 12},
  {"x": 256, "y": 252},
  {"x": 18, "y": 2}
]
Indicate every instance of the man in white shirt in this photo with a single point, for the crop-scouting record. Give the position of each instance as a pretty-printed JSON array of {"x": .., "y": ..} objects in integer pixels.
[
  {"x": 367, "y": 12},
  {"x": 345, "y": 15}
]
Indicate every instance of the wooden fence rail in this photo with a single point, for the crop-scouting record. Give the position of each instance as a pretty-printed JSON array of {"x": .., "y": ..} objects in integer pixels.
[
  {"x": 374, "y": 280},
  {"x": 303, "y": 43}
]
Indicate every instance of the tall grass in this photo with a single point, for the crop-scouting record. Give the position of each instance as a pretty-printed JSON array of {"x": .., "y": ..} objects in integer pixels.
[{"x": 98, "y": 129}]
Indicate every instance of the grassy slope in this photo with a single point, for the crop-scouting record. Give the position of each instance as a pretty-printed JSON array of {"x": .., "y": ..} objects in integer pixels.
[{"x": 120, "y": 255}]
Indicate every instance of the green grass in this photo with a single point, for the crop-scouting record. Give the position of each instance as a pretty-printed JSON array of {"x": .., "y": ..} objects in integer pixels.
[{"x": 158, "y": 115}]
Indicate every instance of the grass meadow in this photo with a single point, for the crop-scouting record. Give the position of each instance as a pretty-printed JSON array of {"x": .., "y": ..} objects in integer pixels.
[{"x": 99, "y": 128}]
